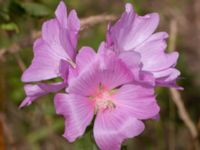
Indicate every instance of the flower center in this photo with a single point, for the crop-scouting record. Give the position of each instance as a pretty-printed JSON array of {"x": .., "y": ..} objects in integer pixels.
[{"x": 103, "y": 99}]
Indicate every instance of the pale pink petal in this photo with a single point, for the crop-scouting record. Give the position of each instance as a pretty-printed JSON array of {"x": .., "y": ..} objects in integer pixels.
[
  {"x": 86, "y": 83},
  {"x": 171, "y": 84},
  {"x": 152, "y": 53},
  {"x": 27, "y": 101},
  {"x": 146, "y": 78},
  {"x": 133, "y": 61},
  {"x": 45, "y": 64},
  {"x": 61, "y": 13},
  {"x": 69, "y": 34},
  {"x": 168, "y": 74},
  {"x": 78, "y": 112},
  {"x": 73, "y": 21},
  {"x": 66, "y": 42},
  {"x": 64, "y": 69},
  {"x": 85, "y": 56},
  {"x": 117, "y": 74},
  {"x": 131, "y": 58},
  {"x": 33, "y": 92},
  {"x": 167, "y": 78},
  {"x": 159, "y": 61},
  {"x": 112, "y": 127},
  {"x": 114, "y": 72},
  {"x": 69, "y": 27},
  {"x": 105, "y": 68},
  {"x": 73, "y": 27},
  {"x": 139, "y": 100},
  {"x": 73, "y": 73},
  {"x": 131, "y": 29},
  {"x": 155, "y": 43},
  {"x": 53, "y": 34}
]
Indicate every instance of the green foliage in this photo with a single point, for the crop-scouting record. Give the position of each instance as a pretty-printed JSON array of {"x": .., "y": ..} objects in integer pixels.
[
  {"x": 85, "y": 142},
  {"x": 9, "y": 26},
  {"x": 36, "y": 9}
]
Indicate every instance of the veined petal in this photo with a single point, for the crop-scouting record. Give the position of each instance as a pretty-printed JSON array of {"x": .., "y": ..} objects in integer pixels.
[
  {"x": 33, "y": 92},
  {"x": 167, "y": 78},
  {"x": 138, "y": 100},
  {"x": 67, "y": 43},
  {"x": 45, "y": 64},
  {"x": 85, "y": 56},
  {"x": 73, "y": 21},
  {"x": 78, "y": 112},
  {"x": 105, "y": 68},
  {"x": 58, "y": 42},
  {"x": 69, "y": 28},
  {"x": 131, "y": 58},
  {"x": 64, "y": 69},
  {"x": 133, "y": 61},
  {"x": 112, "y": 127},
  {"x": 86, "y": 83},
  {"x": 169, "y": 74},
  {"x": 152, "y": 53},
  {"x": 53, "y": 34},
  {"x": 114, "y": 72},
  {"x": 131, "y": 29},
  {"x": 159, "y": 61},
  {"x": 74, "y": 27},
  {"x": 27, "y": 101},
  {"x": 61, "y": 13}
]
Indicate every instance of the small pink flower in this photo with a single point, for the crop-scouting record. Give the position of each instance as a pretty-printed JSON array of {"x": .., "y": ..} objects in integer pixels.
[
  {"x": 105, "y": 89},
  {"x": 54, "y": 53},
  {"x": 135, "y": 33}
]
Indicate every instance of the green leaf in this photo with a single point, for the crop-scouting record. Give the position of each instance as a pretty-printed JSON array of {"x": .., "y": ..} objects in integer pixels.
[
  {"x": 86, "y": 142},
  {"x": 15, "y": 10},
  {"x": 4, "y": 16},
  {"x": 36, "y": 9},
  {"x": 9, "y": 26}
]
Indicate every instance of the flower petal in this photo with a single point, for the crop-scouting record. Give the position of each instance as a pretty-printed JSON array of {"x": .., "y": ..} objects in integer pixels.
[
  {"x": 86, "y": 83},
  {"x": 64, "y": 69},
  {"x": 73, "y": 27},
  {"x": 153, "y": 56},
  {"x": 114, "y": 72},
  {"x": 53, "y": 35},
  {"x": 167, "y": 78},
  {"x": 58, "y": 42},
  {"x": 33, "y": 92},
  {"x": 85, "y": 57},
  {"x": 131, "y": 29},
  {"x": 61, "y": 13},
  {"x": 168, "y": 74},
  {"x": 69, "y": 27},
  {"x": 133, "y": 61},
  {"x": 78, "y": 112},
  {"x": 111, "y": 127},
  {"x": 139, "y": 100},
  {"x": 45, "y": 64},
  {"x": 131, "y": 58}
]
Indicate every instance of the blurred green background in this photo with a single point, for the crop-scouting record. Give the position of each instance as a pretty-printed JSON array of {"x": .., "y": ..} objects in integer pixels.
[{"x": 38, "y": 127}]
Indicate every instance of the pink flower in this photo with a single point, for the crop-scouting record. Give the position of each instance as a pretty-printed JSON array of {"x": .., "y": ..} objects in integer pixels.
[
  {"x": 104, "y": 87},
  {"x": 135, "y": 33},
  {"x": 54, "y": 54}
]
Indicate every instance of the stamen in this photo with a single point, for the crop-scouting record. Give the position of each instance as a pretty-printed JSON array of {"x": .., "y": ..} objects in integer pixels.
[{"x": 103, "y": 99}]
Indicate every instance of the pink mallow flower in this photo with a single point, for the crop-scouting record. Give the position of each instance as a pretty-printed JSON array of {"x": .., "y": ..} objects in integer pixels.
[
  {"x": 54, "y": 54},
  {"x": 135, "y": 33},
  {"x": 104, "y": 88}
]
